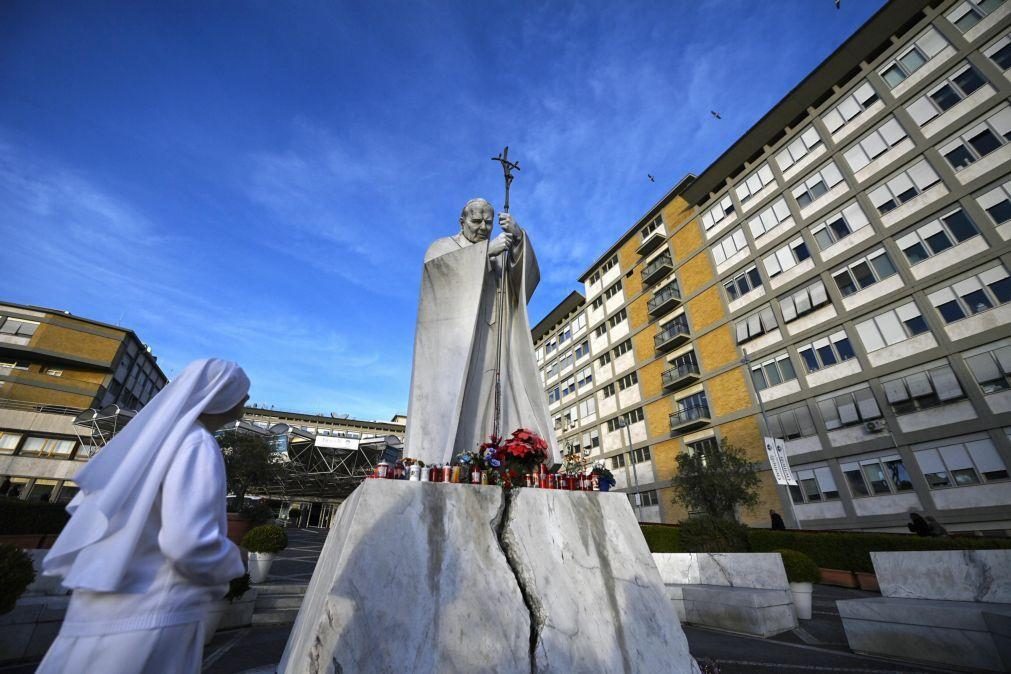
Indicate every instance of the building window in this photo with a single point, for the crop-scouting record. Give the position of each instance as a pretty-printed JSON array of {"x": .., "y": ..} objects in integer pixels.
[
  {"x": 756, "y": 324},
  {"x": 773, "y": 372},
  {"x": 630, "y": 418},
  {"x": 926, "y": 47},
  {"x": 849, "y": 409},
  {"x": 875, "y": 144},
  {"x": 579, "y": 323},
  {"x": 991, "y": 370},
  {"x": 850, "y": 106},
  {"x": 47, "y": 447},
  {"x": 973, "y": 295},
  {"x": 704, "y": 447},
  {"x": 565, "y": 335},
  {"x": 743, "y": 283},
  {"x": 554, "y": 395},
  {"x": 817, "y": 185},
  {"x": 891, "y": 327},
  {"x": 566, "y": 361},
  {"x": 640, "y": 455},
  {"x": 922, "y": 390},
  {"x": 600, "y": 330},
  {"x": 804, "y": 301},
  {"x": 1000, "y": 52},
  {"x": 569, "y": 387},
  {"x": 997, "y": 203},
  {"x": 880, "y": 475},
  {"x": 717, "y": 213},
  {"x": 14, "y": 364},
  {"x": 644, "y": 499},
  {"x": 587, "y": 407},
  {"x": 622, "y": 348},
  {"x": 979, "y": 140},
  {"x": 946, "y": 94},
  {"x": 755, "y": 182},
  {"x": 792, "y": 424},
  {"x": 962, "y": 464},
  {"x": 937, "y": 236},
  {"x": 612, "y": 290},
  {"x": 729, "y": 246},
  {"x": 582, "y": 350},
  {"x": 769, "y": 219},
  {"x": 604, "y": 359},
  {"x": 608, "y": 391},
  {"x": 864, "y": 272},
  {"x": 550, "y": 346},
  {"x": 787, "y": 257},
  {"x": 838, "y": 226},
  {"x": 628, "y": 380},
  {"x": 553, "y": 369},
  {"x": 827, "y": 351},
  {"x": 653, "y": 225},
  {"x": 618, "y": 461},
  {"x": 799, "y": 148},
  {"x": 604, "y": 268},
  {"x": 17, "y": 327},
  {"x": 903, "y": 186},
  {"x": 594, "y": 442},
  {"x": 584, "y": 377},
  {"x": 598, "y": 303},
  {"x": 9, "y": 442},
  {"x": 617, "y": 318},
  {"x": 814, "y": 486},
  {"x": 971, "y": 12}
]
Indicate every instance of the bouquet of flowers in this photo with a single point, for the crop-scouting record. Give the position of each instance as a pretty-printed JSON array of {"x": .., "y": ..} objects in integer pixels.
[
  {"x": 603, "y": 474},
  {"x": 524, "y": 449}
]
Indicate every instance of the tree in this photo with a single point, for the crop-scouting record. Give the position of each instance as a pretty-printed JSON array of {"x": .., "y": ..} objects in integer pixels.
[
  {"x": 716, "y": 481},
  {"x": 249, "y": 463}
]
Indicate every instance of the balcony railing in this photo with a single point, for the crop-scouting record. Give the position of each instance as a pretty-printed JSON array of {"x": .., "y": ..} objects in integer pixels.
[
  {"x": 657, "y": 269},
  {"x": 672, "y": 335},
  {"x": 680, "y": 376},
  {"x": 652, "y": 241},
  {"x": 690, "y": 418},
  {"x": 664, "y": 299}
]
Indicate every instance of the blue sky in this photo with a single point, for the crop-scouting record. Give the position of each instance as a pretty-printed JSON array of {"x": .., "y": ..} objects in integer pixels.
[{"x": 259, "y": 180}]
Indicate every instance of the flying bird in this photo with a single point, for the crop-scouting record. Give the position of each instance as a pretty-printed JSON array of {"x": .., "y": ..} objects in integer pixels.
[
  {"x": 715, "y": 114},
  {"x": 650, "y": 178}
]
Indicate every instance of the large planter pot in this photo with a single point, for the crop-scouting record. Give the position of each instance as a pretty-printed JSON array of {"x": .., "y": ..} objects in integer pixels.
[
  {"x": 214, "y": 615},
  {"x": 605, "y": 485},
  {"x": 839, "y": 578},
  {"x": 867, "y": 581},
  {"x": 259, "y": 565},
  {"x": 238, "y": 526},
  {"x": 801, "y": 593}
]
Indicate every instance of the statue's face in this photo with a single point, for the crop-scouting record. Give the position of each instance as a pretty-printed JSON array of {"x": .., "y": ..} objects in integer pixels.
[{"x": 476, "y": 222}]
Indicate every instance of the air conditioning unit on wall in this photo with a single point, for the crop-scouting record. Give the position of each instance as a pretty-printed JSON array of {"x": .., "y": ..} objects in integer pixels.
[{"x": 876, "y": 426}]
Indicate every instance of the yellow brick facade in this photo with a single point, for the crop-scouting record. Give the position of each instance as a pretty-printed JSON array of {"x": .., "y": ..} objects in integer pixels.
[
  {"x": 728, "y": 393},
  {"x": 694, "y": 274},
  {"x": 716, "y": 349},
  {"x": 58, "y": 339},
  {"x": 649, "y": 378},
  {"x": 687, "y": 240},
  {"x": 705, "y": 309},
  {"x": 638, "y": 314}
]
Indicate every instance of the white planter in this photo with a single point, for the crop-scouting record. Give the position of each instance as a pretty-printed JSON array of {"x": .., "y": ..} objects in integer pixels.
[
  {"x": 214, "y": 615},
  {"x": 259, "y": 565},
  {"x": 802, "y": 599}
]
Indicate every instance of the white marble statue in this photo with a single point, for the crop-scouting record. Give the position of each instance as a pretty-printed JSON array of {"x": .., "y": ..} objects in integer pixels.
[{"x": 452, "y": 400}]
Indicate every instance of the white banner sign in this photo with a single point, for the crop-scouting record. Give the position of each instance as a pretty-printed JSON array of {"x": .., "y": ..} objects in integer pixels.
[{"x": 776, "y": 449}]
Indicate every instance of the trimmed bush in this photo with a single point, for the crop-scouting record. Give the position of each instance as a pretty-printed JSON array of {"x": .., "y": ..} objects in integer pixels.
[
  {"x": 850, "y": 550},
  {"x": 267, "y": 538},
  {"x": 711, "y": 534},
  {"x": 799, "y": 567},
  {"x": 16, "y": 574},
  {"x": 662, "y": 538},
  {"x": 25, "y": 517}
]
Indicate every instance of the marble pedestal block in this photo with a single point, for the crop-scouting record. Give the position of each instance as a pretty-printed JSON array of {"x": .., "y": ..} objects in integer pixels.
[
  {"x": 431, "y": 577},
  {"x": 740, "y": 591}
]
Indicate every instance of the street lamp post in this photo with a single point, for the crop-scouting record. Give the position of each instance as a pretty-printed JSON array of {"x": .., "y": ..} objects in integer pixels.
[{"x": 623, "y": 423}]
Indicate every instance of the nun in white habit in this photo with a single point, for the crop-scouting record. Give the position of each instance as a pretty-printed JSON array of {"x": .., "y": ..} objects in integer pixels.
[{"x": 145, "y": 550}]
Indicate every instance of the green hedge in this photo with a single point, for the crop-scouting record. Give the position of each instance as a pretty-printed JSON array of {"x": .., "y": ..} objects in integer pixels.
[
  {"x": 845, "y": 550},
  {"x": 24, "y": 517},
  {"x": 662, "y": 538},
  {"x": 850, "y": 551}
]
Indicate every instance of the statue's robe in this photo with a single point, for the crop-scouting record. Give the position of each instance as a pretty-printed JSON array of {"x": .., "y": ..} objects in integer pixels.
[{"x": 452, "y": 400}]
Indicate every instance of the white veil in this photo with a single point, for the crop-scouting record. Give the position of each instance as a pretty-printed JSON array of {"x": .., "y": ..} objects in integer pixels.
[{"x": 120, "y": 484}]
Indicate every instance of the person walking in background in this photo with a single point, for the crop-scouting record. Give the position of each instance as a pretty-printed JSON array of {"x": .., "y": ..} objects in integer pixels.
[
  {"x": 145, "y": 550},
  {"x": 777, "y": 521}
]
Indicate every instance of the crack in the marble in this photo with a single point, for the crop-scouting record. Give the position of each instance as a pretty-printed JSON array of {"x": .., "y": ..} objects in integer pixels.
[{"x": 534, "y": 608}]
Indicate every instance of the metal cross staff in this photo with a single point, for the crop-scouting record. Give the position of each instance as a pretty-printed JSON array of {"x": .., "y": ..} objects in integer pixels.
[{"x": 507, "y": 168}]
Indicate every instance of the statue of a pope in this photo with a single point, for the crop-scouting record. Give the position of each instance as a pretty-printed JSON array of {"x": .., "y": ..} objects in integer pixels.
[{"x": 452, "y": 401}]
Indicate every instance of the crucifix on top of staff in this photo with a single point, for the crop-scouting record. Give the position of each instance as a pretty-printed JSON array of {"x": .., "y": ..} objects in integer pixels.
[{"x": 507, "y": 169}]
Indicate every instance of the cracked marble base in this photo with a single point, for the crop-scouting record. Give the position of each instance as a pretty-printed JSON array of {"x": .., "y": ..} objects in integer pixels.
[
  {"x": 414, "y": 578},
  {"x": 952, "y": 575}
]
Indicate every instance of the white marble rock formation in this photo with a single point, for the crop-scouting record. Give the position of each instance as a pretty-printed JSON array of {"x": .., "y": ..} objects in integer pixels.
[{"x": 432, "y": 577}]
